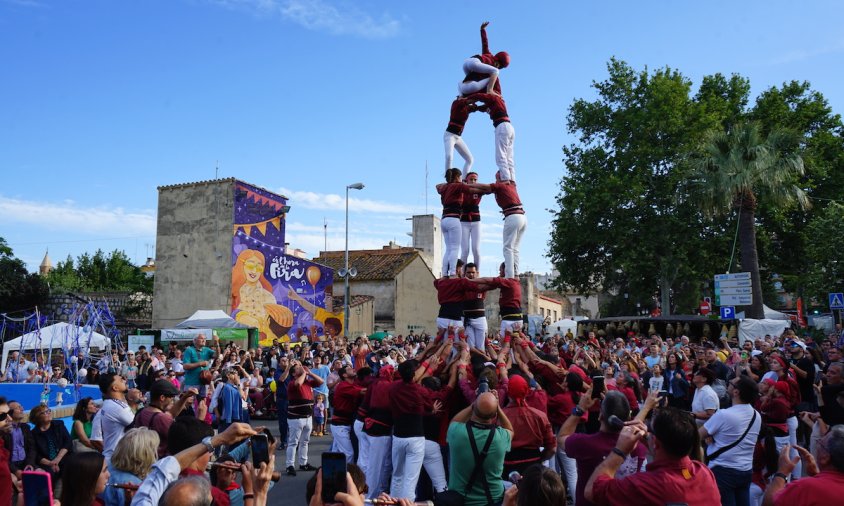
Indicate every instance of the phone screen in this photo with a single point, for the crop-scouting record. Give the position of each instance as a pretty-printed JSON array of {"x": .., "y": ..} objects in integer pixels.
[
  {"x": 333, "y": 475},
  {"x": 260, "y": 449},
  {"x": 597, "y": 386},
  {"x": 37, "y": 489}
]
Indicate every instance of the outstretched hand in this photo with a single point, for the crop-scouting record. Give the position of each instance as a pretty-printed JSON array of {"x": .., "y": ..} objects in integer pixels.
[{"x": 484, "y": 24}]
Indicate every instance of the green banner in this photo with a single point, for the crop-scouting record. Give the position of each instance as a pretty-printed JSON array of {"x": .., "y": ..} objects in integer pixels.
[{"x": 232, "y": 333}]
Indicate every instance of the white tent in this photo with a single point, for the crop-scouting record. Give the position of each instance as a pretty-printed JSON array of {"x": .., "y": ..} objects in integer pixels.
[
  {"x": 211, "y": 319},
  {"x": 773, "y": 314},
  {"x": 562, "y": 326},
  {"x": 58, "y": 336},
  {"x": 754, "y": 329}
]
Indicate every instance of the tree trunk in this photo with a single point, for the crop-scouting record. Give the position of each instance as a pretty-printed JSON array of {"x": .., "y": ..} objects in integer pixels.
[
  {"x": 749, "y": 257},
  {"x": 665, "y": 296}
]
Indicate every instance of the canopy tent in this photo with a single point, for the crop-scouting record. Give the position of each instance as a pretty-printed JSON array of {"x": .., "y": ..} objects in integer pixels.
[
  {"x": 211, "y": 319},
  {"x": 773, "y": 314},
  {"x": 562, "y": 326},
  {"x": 753, "y": 329},
  {"x": 61, "y": 335}
]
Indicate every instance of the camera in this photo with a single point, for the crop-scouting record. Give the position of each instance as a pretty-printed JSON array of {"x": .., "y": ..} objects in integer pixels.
[{"x": 483, "y": 386}]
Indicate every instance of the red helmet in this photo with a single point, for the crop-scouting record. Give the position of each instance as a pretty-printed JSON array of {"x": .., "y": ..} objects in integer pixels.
[{"x": 503, "y": 59}]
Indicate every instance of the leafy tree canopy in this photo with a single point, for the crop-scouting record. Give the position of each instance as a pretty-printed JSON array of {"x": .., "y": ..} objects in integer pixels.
[
  {"x": 98, "y": 273},
  {"x": 19, "y": 289}
]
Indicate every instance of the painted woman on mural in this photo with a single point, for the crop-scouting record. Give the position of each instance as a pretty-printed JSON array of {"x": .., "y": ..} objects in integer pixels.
[{"x": 253, "y": 301}]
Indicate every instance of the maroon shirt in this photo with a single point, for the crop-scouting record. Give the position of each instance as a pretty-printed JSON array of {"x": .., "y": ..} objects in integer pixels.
[
  {"x": 451, "y": 292},
  {"x": 495, "y": 106},
  {"x": 5, "y": 476},
  {"x": 510, "y": 295},
  {"x": 451, "y": 196},
  {"x": 507, "y": 198},
  {"x": 410, "y": 402},
  {"x": 347, "y": 397},
  {"x": 682, "y": 481},
  {"x": 300, "y": 399},
  {"x": 379, "y": 420},
  {"x": 459, "y": 116},
  {"x": 471, "y": 210}
]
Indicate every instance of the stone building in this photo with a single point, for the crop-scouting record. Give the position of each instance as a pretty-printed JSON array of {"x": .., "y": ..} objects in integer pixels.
[{"x": 400, "y": 281}]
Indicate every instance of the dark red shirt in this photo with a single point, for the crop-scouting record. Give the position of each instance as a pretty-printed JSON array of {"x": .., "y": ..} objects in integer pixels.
[
  {"x": 219, "y": 497},
  {"x": 681, "y": 481},
  {"x": 451, "y": 292},
  {"x": 507, "y": 198},
  {"x": 459, "y": 116},
  {"x": 5, "y": 476},
  {"x": 300, "y": 399},
  {"x": 451, "y": 196},
  {"x": 347, "y": 397},
  {"x": 471, "y": 210},
  {"x": 494, "y": 105},
  {"x": 379, "y": 420},
  {"x": 510, "y": 295},
  {"x": 531, "y": 428},
  {"x": 485, "y": 57},
  {"x": 409, "y": 403}
]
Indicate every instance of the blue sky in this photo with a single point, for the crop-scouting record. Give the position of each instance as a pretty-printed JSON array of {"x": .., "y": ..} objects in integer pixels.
[{"x": 102, "y": 101}]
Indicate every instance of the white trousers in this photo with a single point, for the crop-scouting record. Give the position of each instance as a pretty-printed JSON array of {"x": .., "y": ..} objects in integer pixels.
[
  {"x": 470, "y": 235},
  {"x": 298, "y": 437},
  {"x": 569, "y": 469},
  {"x": 792, "y": 422},
  {"x": 363, "y": 445},
  {"x": 505, "y": 137},
  {"x": 380, "y": 465},
  {"x": 475, "y": 65},
  {"x": 408, "y": 456},
  {"x": 514, "y": 228},
  {"x": 476, "y": 332},
  {"x": 343, "y": 441},
  {"x": 445, "y": 323},
  {"x": 451, "y": 142},
  {"x": 510, "y": 326},
  {"x": 451, "y": 237},
  {"x": 433, "y": 464}
]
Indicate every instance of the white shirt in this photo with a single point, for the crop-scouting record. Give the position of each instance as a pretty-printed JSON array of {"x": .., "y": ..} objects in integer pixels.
[
  {"x": 163, "y": 473},
  {"x": 114, "y": 417},
  {"x": 705, "y": 398},
  {"x": 725, "y": 427}
]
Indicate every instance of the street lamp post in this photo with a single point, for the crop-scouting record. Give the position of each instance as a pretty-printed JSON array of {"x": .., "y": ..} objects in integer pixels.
[{"x": 345, "y": 273}]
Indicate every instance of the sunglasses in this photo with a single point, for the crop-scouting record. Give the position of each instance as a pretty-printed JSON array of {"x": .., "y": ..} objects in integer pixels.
[{"x": 3, "y": 416}]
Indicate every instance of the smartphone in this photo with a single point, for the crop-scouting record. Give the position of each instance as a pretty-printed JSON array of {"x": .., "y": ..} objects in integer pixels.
[
  {"x": 597, "y": 386},
  {"x": 333, "y": 475},
  {"x": 270, "y": 438},
  {"x": 260, "y": 449},
  {"x": 37, "y": 488}
]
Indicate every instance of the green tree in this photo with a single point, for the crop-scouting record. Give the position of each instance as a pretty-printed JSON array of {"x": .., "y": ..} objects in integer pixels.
[
  {"x": 100, "y": 272},
  {"x": 737, "y": 168},
  {"x": 19, "y": 289},
  {"x": 825, "y": 271},
  {"x": 618, "y": 227}
]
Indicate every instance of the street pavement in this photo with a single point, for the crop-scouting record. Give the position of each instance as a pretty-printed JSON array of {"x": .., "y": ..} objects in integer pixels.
[{"x": 290, "y": 490}]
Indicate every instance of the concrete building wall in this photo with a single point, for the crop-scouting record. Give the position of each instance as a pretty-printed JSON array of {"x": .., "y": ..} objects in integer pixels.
[
  {"x": 384, "y": 293},
  {"x": 552, "y": 310},
  {"x": 193, "y": 250},
  {"x": 361, "y": 319},
  {"x": 427, "y": 237},
  {"x": 584, "y": 305},
  {"x": 416, "y": 299}
]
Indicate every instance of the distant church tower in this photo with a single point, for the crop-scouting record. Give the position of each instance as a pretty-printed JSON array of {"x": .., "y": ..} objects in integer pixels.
[{"x": 46, "y": 265}]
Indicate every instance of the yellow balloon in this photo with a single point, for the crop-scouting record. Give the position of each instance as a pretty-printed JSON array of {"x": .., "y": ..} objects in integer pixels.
[
  {"x": 273, "y": 386},
  {"x": 313, "y": 275}
]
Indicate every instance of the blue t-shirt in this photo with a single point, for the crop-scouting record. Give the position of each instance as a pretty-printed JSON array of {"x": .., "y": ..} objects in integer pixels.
[
  {"x": 322, "y": 371},
  {"x": 191, "y": 356}
]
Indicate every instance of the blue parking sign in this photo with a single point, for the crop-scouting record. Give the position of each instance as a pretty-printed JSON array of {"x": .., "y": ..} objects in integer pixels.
[{"x": 728, "y": 312}]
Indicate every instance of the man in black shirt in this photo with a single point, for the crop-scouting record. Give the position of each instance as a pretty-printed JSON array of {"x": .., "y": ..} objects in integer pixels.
[{"x": 804, "y": 368}]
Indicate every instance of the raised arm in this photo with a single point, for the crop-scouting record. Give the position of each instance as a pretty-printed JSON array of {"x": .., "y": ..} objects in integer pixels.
[
  {"x": 291, "y": 294},
  {"x": 484, "y": 41}
]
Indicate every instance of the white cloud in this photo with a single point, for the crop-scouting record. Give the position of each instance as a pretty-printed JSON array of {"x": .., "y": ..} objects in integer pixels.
[
  {"x": 67, "y": 216},
  {"x": 334, "y": 202},
  {"x": 320, "y": 15},
  {"x": 799, "y": 55}
]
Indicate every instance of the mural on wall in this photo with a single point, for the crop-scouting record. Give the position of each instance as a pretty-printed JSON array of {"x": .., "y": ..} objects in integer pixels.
[{"x": 283, "y": 296}]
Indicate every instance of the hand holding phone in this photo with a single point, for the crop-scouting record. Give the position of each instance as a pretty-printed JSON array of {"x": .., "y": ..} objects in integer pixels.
[
  {"x": 37, "y": 488},
  {"x": 597, "y": 386},
  {"x": 333, "y": 475},
  {"x": 260, "y": 449}
]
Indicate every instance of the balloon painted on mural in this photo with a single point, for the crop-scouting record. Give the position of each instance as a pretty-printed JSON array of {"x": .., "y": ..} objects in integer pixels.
[{"x": 283, "y": 296}]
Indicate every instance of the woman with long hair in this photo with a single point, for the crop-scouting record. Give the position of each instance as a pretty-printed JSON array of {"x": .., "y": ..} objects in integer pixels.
[
  {"x": 83, "y": 478},
  {"x": 678, "y": 382},
  {"x": 52, "y": 441},
  {"x": 253, "y": 302},
  {"x": 131, "y": 462},
  {"x": 83, "y": 417}
]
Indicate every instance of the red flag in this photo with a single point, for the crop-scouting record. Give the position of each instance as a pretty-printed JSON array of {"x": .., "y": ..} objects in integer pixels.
[{"x": 800, "y": 319}]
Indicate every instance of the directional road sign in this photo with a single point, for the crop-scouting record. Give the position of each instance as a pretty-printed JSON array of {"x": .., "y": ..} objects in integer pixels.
[
  {"x": 836, "y": 300},
  {"x": 735, "y": 289},
  {"x": 728, "y": 312}
]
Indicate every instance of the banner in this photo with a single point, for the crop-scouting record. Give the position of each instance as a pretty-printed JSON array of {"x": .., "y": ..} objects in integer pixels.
[
  {"x": 232, "y": 333},
  {"x": 184, "y": 334},
  {"x": 136, "y": 342},
  {"x": 285, "y": 297}
]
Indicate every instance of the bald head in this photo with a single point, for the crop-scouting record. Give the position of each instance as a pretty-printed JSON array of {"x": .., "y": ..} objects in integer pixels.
[
  {"x": 485, "y": 407},
  {"x": 189, "y": 491}
]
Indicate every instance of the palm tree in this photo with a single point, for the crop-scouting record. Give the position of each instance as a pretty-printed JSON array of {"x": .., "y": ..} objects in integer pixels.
[{"x": 738, "y": 167}]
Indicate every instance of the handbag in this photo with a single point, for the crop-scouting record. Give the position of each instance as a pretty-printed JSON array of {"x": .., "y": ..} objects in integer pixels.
[
  {"x": 724, "y": 449},
  {"x": 455, "y": 498}
]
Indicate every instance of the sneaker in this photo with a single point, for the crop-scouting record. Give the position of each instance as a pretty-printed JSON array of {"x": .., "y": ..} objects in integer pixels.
[
  {"x": 306, "y": 467},
  {"x": 291, "y": 471}
]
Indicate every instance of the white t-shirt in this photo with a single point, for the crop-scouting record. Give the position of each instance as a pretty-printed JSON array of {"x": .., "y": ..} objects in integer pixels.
[
  {"x": 114, "y": 417},
  {"x": 705, "y": 398},
  {"x": 725, "y": 427}
]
